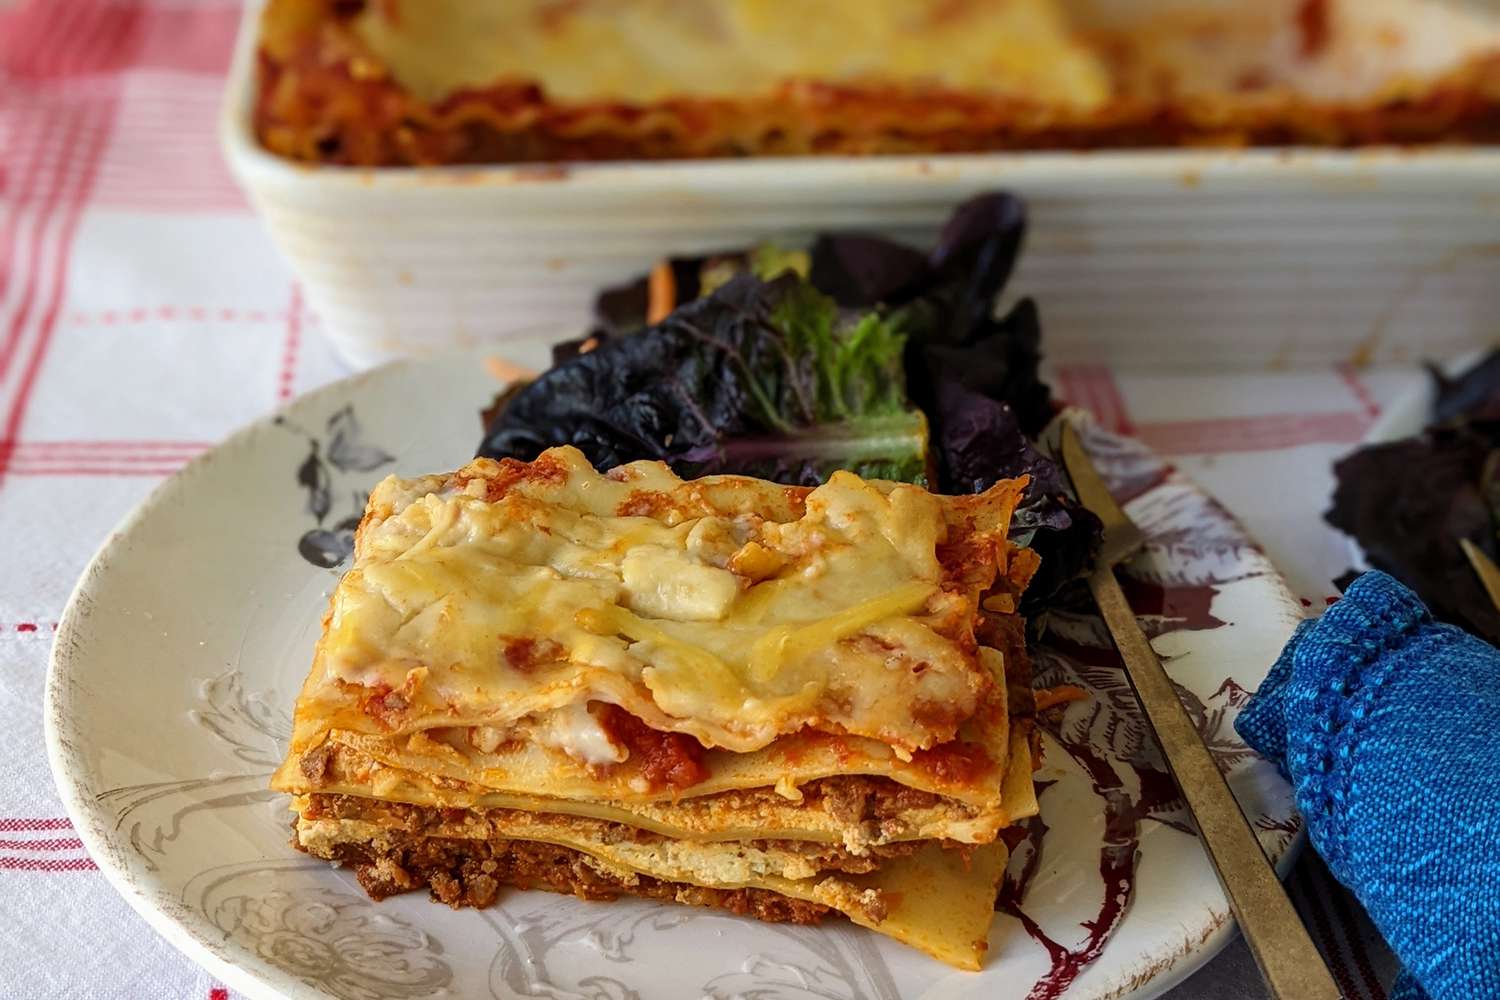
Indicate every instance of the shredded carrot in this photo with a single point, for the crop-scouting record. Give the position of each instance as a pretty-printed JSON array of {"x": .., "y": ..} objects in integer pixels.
[
  {"x": 1061, "y": 695},
  {"x": 661, "y": 296},
  {"x": 507, "y": 371}
]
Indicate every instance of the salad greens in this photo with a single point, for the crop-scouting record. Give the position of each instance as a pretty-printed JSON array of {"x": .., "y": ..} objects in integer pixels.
[
  {"x": 860, "y": 353},
  {"x": 1409, "y": 502},
  {"x": 761, "y": 378}
]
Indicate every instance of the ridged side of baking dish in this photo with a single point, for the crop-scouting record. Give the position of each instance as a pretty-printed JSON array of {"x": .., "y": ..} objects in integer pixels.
[{"x": 1178, "y": 258}]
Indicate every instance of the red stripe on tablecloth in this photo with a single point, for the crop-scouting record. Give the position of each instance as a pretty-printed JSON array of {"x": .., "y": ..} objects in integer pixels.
[
  {"x": 72, "y": 26},
  {"x": 1073, "y": 387},
  {"x": 1068, "y": 389},
  {"x": 29, "y": 627},
  {"x": 103, "y": 459},
  {"x": 22, "y": 166},
  {"x": 1109, "y": 399},
  {"x": 177, "y": 201},
  {"x": 29, "y": 458},
  {"x": 40, "y": 464},
  {"x": 38, "y": 231},
  {"x": 286, "y": 381},
  {"x": 1359, "y": 390},
  {"x": 1262, "y": 433},
  {"x": 62, "y": 41},
  {"x": 99, "y": 458},
  {"x": 218, "y": 993},
  {"x": 10, "y": 825},
  {"x": 62, "y": 844},
  {"x": 53, "y": 39},
  {"x": 109, "y": 41},
  {"x": 164, "y": 156},
  {"x": 57, "y": 39},
  {"x": 103, "y": 472},
  {"x": 72, "y": 122},
  {"x": 30, "y": 32},
  {"x": 189, "y": 39},
  {"x": 1094, "y": 388},
  {"x": 173, "y": 314},
  {"x": 73, "y": 212},
  {"x": 76, "y": 445},
  {"x": 47, "y": 864},
  {"x": 93, "y": 471}
]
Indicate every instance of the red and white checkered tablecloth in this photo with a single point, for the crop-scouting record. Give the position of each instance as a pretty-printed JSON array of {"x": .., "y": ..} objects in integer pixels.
[{"x": 144, "y": 315}]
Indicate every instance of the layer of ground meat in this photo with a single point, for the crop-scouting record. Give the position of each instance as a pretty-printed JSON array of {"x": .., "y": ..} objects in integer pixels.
[
  {"x": 416, "y": 819},
  {"x": 472, "y": 872}
]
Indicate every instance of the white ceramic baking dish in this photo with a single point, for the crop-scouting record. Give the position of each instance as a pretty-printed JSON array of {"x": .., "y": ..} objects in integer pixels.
[{"x": 1178, "y": 258}]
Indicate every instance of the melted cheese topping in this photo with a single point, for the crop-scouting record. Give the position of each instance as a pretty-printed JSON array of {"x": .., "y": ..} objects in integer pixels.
[
  {"x": 576, "y": 731},
  {"x": 511, "y": 590},
  {"x": 642, "y": 51}
]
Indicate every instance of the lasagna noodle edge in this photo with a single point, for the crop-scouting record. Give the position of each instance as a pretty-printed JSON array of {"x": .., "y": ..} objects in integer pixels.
[{"x": 938, "y": 901}]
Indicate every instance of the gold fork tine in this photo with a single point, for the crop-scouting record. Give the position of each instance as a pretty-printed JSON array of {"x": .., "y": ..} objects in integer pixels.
[{"x": 1484, "y": 568}]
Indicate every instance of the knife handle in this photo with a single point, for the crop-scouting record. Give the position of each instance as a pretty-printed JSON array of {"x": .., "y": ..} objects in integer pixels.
[{"x": 1288, "y": 959}]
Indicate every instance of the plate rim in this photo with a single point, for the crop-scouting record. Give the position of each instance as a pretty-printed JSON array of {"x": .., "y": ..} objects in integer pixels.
[
  {"x": 276, "y": 984},
  {"x": 65, "y": 778}
]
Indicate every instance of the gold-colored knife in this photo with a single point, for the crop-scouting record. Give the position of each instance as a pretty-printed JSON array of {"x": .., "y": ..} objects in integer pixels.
[{"x": 1288, "y": 959}]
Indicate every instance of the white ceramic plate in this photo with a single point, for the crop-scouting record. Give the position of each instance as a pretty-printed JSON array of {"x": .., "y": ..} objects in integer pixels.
[
  {"x": 178, "y": 658},
  {"x": 1406, "y": 416}
]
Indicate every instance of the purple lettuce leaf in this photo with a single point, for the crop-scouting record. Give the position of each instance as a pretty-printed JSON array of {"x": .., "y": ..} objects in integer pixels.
[{"x": 762, "y": 378}]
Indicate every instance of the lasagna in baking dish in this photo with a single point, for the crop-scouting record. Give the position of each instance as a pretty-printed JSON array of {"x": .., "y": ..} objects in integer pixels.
[
  {"x": 787, "y": 702},
  {"x": 391, "y": 82}
]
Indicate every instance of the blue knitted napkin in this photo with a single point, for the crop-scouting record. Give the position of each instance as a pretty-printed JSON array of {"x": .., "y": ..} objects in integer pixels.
[{"x": 1387, "y": 723}]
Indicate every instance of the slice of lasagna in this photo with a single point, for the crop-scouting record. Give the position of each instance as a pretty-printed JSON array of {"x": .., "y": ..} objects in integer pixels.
[{"x": 782, "y": 701}]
